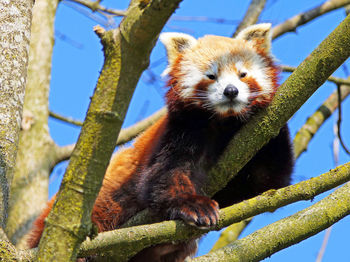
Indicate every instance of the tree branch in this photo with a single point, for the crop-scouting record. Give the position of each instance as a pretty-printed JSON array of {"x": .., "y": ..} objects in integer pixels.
[
  {"x": 306, "y": 223},
  {"x": 336, "y": 80},
  {"x": 96, "y": 6},
  {"x": 65, "y": 119},
  {"x": 339, "y": 121},
  {"x": 118, "y": 242},
  {"x": 231, "y": 233},
  {"x": 121, "y": 241},
  {"x": 251, "y": 16},
  {"x": 127, "y": 50},
  {"x": 314, "y": 122},
  {"x": 291, "y": 24}
]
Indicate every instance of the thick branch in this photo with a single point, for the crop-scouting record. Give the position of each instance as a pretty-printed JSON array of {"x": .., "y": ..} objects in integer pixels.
[
  {"x": 251, "y": 16},
  {"x": 127, "y": 50},
  {"x": 126, "y": 239},
  {"x": 274, "y": 237},
  {"x": 291, "y": 24},
  {"x": 118, "y": 242}
]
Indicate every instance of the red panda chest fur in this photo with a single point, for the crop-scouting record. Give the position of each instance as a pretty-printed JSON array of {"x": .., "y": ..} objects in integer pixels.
[{"x": 215, "y": 85}]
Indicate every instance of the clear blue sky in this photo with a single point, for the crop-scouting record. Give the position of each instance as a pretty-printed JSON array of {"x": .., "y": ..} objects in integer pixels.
[{"x": 77, "y": 61}]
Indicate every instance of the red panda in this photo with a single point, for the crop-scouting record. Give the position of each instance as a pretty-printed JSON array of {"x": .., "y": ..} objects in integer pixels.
[{"x": 215, "y": 85}]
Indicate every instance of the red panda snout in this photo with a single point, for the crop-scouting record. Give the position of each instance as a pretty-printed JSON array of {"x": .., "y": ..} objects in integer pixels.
[{"x": 231, "y": 92}]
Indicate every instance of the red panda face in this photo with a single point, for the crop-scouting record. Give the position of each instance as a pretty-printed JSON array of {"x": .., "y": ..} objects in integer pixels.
[{"x": 223, "y": 75}]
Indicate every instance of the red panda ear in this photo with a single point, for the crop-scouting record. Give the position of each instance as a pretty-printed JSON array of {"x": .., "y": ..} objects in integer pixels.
[
  {"x": 259, "y": 34},
  {"x": 176, "y": 43}
]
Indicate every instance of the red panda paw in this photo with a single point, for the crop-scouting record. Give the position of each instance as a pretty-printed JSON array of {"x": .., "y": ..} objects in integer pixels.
[{"x": 199, "y": 211}]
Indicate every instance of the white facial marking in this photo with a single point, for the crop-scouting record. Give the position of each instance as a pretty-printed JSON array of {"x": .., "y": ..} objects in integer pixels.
[
  {"x": 192, "y": 76},
  {"x": 216, "y": 93},
  {"x": 259, "y": 71}
]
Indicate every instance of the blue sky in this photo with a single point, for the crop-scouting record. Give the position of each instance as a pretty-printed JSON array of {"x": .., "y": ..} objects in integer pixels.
[{"x": 78, "y": 58}]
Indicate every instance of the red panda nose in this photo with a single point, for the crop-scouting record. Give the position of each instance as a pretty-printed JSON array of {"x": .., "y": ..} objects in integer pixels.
[{"x": 231, "y": 91}]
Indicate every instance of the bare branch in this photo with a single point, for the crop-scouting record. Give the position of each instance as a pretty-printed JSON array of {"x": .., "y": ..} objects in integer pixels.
[
  {"x": 291, "y": 24},
  {"x": 314, "y": 122},
  {"x": 96, "y": 6},
  {"x": 324, "y": 244},
  {"x": 336, "y": 80},
  {"x": 251, "y": 16},
  {"x": 66, "y": 119},
  {"x": 339, "y": 121}
]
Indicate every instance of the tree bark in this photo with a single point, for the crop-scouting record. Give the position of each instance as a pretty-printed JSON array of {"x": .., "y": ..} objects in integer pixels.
[
  {"x": 15, "y": 20},
  {"x": 29, "y": 189}
]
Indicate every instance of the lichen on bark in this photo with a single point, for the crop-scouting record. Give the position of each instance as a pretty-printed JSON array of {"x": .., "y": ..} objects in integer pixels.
[
  {"x": 36, "y": 148},
  {"x": 15, "y": 20}
]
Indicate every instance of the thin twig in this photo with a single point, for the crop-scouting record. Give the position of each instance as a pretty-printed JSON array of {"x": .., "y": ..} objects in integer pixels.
[
  {"x": 314, "y": 122},
  {"x": 339, "y": 121},
  {"x": 336, "y": 80},
  {"x": 324, "y": 244},
  {"x": 66, "y": 119},
  {"x": 203, "y": 19},
  {"x": 291, "y": 24},
  {"x": 95, "y": 6}
]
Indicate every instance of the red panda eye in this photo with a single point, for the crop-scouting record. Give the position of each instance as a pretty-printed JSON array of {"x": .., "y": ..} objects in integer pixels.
[
  {"x": 211, "y": 76},
  {"x": 242, "y": 74}
]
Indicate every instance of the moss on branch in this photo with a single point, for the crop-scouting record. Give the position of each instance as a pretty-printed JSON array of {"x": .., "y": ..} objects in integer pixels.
[
  {"x": 133, "y": 239},
  {"x": 274, "y": 237},
  {"x": 127, "y": 50}
]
